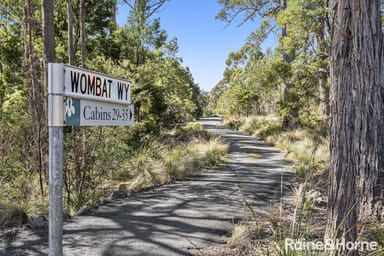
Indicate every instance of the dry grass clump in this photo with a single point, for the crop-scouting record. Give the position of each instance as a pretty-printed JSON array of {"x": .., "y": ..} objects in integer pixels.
[
  {"x": 239, "y": 233},
  {"x": 213, "y": 150},
  {"x": 188, "y": 132},
  {"x": 183, "y": 161},
  {"x": 308, "y": 149},
  {"x": 188, "y": 159},
  {"x": 309, "y": 152},
  {"x": 147, "y": 172},
  {"x": 22, "y": 188},
  {"x": 158, "y": 163}
]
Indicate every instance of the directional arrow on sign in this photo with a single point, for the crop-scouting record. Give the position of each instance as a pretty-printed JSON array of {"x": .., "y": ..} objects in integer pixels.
[{"x": 130, "y": 114}]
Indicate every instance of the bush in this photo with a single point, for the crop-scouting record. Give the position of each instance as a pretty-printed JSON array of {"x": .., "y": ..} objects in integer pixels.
[
  {"x": 157, "y": 163},
  {"x": 233, "y": 123},
  {"x": 11, "y": 216},
  {"x": 215, "y": 152},
  {"x": 188, "y": 132},
  {"x": 183, "y": 161}
]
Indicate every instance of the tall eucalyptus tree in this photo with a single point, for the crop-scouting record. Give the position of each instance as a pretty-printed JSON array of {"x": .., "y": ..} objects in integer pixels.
[{"x": 357, "y": 109}]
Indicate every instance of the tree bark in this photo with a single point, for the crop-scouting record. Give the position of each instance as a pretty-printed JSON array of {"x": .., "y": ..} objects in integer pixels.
[
  {"x": 48, "y": 31},
  {"x": 323, "y": 69},
  {"x": 36, "y": 100},
  {"x": 71, "y": 51},
  {"x": 323, "y": 94},
  {"x": 2, "y": 89},
  {"x": 114, "y": 17},
  {"x": 47, "y": 9},
  {"x": 291, "y": 119},
  {"x": 356, "y": 139},
  {"x": 82, "y": 34},
  {"x": 369, "y": 122}
]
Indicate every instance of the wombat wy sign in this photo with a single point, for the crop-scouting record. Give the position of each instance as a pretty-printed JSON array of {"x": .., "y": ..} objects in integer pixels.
[
  {"x": 91, "y": 98},
  {"x": 78, "y": 97}
]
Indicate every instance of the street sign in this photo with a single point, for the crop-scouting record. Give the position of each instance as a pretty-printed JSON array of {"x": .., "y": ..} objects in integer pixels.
[
  {"x": 81, "y": 112},
  {"x": 86, "y": 84},
  {"x": 87, "y": 98}
]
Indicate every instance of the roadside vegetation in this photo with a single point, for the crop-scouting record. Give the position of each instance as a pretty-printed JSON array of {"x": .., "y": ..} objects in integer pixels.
[
  {"x": 282, "y": 95},
  {"x": 170, "y": 158},
  {"x": 96, "y": 159},
  {"x": 178, "y": 153},
  {"x": 306, "y": 148},
  {"x": 304, "y": 218}
]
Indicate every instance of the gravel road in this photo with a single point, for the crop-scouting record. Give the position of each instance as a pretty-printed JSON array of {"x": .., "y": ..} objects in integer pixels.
[{"x": 175, "y": 218}]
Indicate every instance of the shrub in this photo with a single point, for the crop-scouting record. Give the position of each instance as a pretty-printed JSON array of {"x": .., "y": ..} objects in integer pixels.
[
  {"x": 11, "y": 216},
  {"x": 147, "y": 172},
  {"x": 189, "y": 132},
  {"x": 215, "y": 152},
  {"x": 233, "y": 123}
]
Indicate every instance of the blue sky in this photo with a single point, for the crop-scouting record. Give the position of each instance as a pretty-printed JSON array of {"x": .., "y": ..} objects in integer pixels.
[{"x": 204, "y": 42}]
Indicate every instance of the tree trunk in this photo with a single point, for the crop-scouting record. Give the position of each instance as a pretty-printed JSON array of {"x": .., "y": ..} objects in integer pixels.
[
  {"x": 356, "y": 124},
  {"x": 369, "y": 122},
  {"x": 291, "y": 119},
  {"x": 323, "y": 69},
  {"x": 37, "y": 100},
  {"x": 323, "y": 94},
  {"x": 47, "y": 9},
  {"x": 82, "y": 33},
  {"x": 71, "y": 51},
  {"x": 48, "y": 32},
  {"x": 2, "y": 89},
  {"x": 114, "y": 17}
]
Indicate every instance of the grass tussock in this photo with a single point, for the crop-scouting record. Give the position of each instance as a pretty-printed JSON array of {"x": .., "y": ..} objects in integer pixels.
[
  {"x": 11, "y": 216},
  {"x": 239, "y": 233},
  {"x": 377, "y": 234},
  {"x": 160, "y": 161},
  {"x": 307, "y": 148},
  {"x": 180, "y": 152},
  {"x": 188, "y": 132},
  {"x": 304, "y": 217},
  {"x": 23, "y": 189}
]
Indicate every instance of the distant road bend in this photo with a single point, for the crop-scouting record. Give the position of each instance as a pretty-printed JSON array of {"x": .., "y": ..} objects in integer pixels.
[{"x": 174, "y": 219}]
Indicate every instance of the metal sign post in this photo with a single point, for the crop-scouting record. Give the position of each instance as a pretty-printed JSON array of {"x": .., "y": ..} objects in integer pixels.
[{"x": 55, "y": 125}]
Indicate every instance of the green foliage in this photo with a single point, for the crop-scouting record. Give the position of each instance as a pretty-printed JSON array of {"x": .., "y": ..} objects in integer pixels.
[
  {"x": 233, "y": 123},
  {"x": 163, "y": 91},
  {"x": 248, "y": 9},
  {"x": 11, "y": 216},
  {"x": 256, "y": 83},
  {"x": 377, "y": 235}
]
